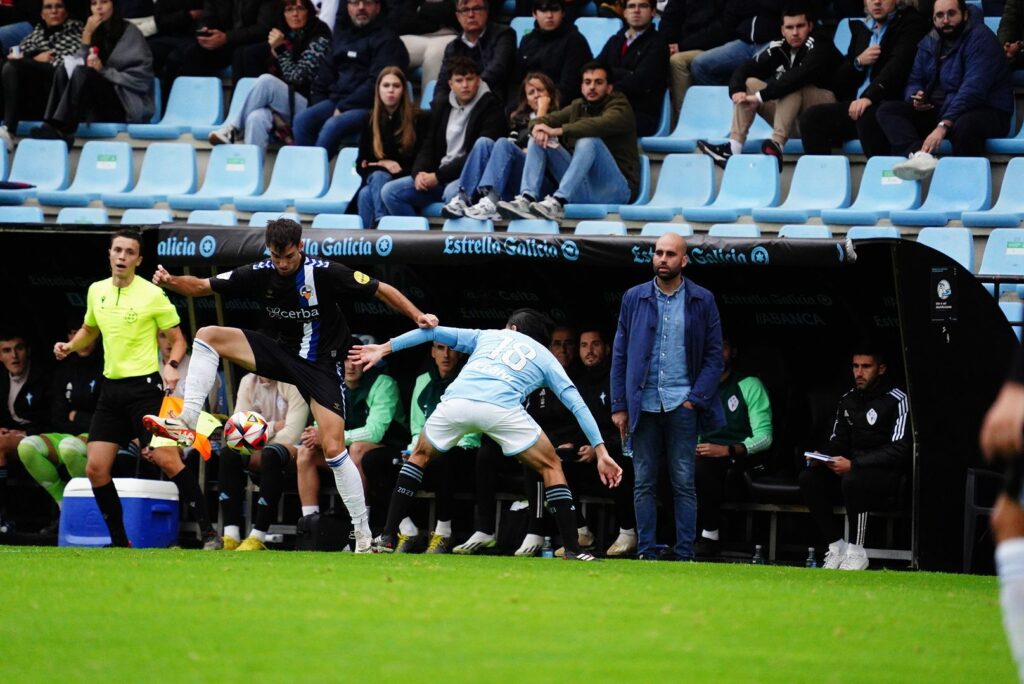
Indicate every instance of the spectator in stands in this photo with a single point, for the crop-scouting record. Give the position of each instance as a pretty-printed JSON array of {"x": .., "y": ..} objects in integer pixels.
[
  {"x": 471, "y": 111},
  {"x": 491, "y": 45},
  {"x": 495, "y": 166},
  {"x": 115, "y": 83},
  {"x": 787, "y": 78},
  {"x": 690, "y": 27},
  {"x": 874, "y": 70},
  {"x": 637, "y": 57},
  {"x": 572, "y": 9},
  {"x": 870, "y": 449},
  {"x": 426, "y": 28},
  {"x": 959, "y": 87},
  {"x": 391, "y": 138},
  {"x": 28, "y": 76},
  {"x": 565, "y": 346},
  {"x": 224, "y": 27},
  {"x": 666, "y": 364},
  {"x": 342, "y": 93},
  {"x": 286, "y": 414},
  {"x": 747, "y": 432},
  {"x": 1011, "y": 32},
  {"x": 291, "y": 56},
  {"x": 175, "y": 23},
  {"x": 746, "y": 27},
  {"x": 589, "y": 148},
  {"x": 554, "y": 47}
]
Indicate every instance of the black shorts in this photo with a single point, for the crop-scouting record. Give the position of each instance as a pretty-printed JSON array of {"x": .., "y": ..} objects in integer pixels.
[
  {"x": 322, "y": 382},
  {"x": 121, "y": 406}
]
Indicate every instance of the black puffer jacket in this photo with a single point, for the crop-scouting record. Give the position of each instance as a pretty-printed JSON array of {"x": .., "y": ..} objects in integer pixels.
[
  {"x": 495, "y": 52},
  {"x": 560, "y": 54}
]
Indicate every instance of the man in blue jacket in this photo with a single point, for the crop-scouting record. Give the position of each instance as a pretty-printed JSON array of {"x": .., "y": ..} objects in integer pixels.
[
  {"x": 666, "y": 364},
  {"x": 959, "y": 87}
]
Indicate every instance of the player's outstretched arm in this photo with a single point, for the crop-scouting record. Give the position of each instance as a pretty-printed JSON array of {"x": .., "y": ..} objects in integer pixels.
[
  {"x": 187, "y": 286},
  {"x": 1002, "y": 432},
  {"x": 400, "y": 303},
  {"x": 368, "y": 355}
]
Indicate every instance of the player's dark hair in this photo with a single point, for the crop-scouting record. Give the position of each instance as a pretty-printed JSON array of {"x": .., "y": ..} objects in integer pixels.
[
  {"x": 869, "y": 348},
  {"x": 130, "y": 233},
  {"x": 283, "y": 233},
  {"x": 13, "y": 332},
  {"x": 594, "y": 328},
  {"x": 594, "y": 65},
  {"x": 463, "y": 66},
  {"x": 533, "y": 324},
  {"x": 796, "y": 8}
]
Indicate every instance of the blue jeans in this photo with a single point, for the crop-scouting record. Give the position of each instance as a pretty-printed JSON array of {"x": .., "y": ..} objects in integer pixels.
[
  {"x": 490, "y": 164},
  {"x": 370, "y": 202},
  {"x": 269, "y": 94},
  {"x": 13, "y": 34},
  {"x": 588, "y": 175},
  {"x": 319, "y": 126},
  {"x": 715, "y": 66},
  {"x": 401, "y": 198},
  {"x": 671, "y": 436}
]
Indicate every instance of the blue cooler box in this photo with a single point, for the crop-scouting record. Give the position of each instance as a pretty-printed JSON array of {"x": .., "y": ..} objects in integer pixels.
[{"x": 150, "y": 514}]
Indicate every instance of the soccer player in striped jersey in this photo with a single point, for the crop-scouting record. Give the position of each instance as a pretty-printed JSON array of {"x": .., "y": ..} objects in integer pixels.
[
  {"x": 504, "y": 367},
  {"x": 301, "y": 302}
]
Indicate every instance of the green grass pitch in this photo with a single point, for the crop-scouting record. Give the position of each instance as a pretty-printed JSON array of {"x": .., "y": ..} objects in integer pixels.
[{"x": 124, "y": 616}]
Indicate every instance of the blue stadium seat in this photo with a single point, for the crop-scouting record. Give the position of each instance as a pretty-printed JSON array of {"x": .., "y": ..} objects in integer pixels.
[
  {"x": 194, "y": 101},
  {"x": 533, "y": 226},
  {"x": 599, "y": 211},
  {"x": 992, "y": 23},
  {"x": 1011, "y": 145},
  {"x": 956, "y": 243},
  {"x": 213, "y": 217},
  {"x": 102, "y": 167},
  {"x": 5, "y": 162},
  {"x": 819, "y": 182},
  {"x": 600, "y": 228},
  {"x": 242, "y": 88},
  {"x": 706, "y": 114},
  {"x": 805, "y": 232},
  {"x": 341, "y": 221},
  {"x": 42, "y": 163},
  {"x": 843, "y": 34},
  {"x": 734, "y": 230},
  {"x": 433, "y": 210},
  {"x": 880, "y": 192},
  {"x": 260, "y": 219},
  {"x": 1014, "y": 312},
  {"x": 686, "y": 180},
  {"x": 147, "y": 217},
  {"x": 232, "y": 171},
  {"x": 659, "y": 229},
  {"x": 468, "y": 225},
  {"x": 597, "y": 31},
  {"x": 750, "y": 181},
  {"x": 522, "y": 26},
  {"x": 428, "y": 95},
  {"x": 1008, "y": 210},
  {"x": 403, "y": 223},
  {"x": 761, "y": 130},
  {"x": 298, "y": 172},
  {"x": 1004, "y": 255},
  {"x": 21, "y": 215},
  {"x": 959, "y": 184},
  {"x": 665, "y": 119},
  {"x": 344, "y": 185},
  {"x": 88, "y": 215},
  {"x": 872, "y": 233},
  {"x": 167, "y": 169}
]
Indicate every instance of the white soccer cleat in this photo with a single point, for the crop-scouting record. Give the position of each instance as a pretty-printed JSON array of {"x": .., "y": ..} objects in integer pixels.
[
  {"x": 363, "y": 542},
  {"x": 479, "y": 541},
  {"x": 530, "y": 546},
  {"x": 170, "y": 428},
  {"x": 834, "y": 557},
  {"x": 624, "y": 545},
  {"x": 856, "y": 558}
]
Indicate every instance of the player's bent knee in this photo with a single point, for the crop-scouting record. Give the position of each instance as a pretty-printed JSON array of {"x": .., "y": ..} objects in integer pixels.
[{"x": 31, "y": 448}]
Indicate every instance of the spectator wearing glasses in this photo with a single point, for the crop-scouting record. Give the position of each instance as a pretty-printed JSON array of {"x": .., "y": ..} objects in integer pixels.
[
  {"x": 426, "y": 28},
  {"x": 492, "y": 46}
]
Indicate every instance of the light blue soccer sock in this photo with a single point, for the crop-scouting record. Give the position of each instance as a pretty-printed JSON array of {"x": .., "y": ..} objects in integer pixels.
[
  {"x": 202, "y": 373},
  {"x": 350, "y": 486},
  {"x": 1010, "y": 567}
]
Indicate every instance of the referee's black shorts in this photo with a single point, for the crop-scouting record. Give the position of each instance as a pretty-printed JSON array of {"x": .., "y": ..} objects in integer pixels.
[
  {"x": 121, "y": 406},
  {"x": 323, "y": 382}
]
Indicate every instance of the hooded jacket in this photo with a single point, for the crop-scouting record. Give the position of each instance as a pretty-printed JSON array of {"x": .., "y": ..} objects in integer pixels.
[
  {"x": 495, "y": 53},
  {"x": 560, "y": 54}
]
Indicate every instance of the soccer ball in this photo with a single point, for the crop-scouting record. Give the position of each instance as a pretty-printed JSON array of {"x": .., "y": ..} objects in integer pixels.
[{"x": 246, "y": 432}]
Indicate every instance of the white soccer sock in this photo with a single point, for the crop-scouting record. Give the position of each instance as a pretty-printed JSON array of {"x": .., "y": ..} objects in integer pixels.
[
  {"x": 623, "y": 530},
  {"x": 443, "y": 528},
  {"x": 710, "y": 534},
  {"x": 408, "y": 527},
  {"x": 202, "y": 373},
  {"x": 232, "y": 531},
  {"x": 737, "y": 147},
  {"x": 1010, "y": 568},
  {"x": 585, "y": 530},
  {"x": 350, "y": 486},
  {"x": 838, "y": 546},
  {"x": 258, "y": 534},
  {"x": 308, "y": 510}
]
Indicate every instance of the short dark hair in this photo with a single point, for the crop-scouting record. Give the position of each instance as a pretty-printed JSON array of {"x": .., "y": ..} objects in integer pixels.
[
  {"x": 869, "y": 348},
  {"x": 547, "y": 4},
  {"x": 594, "y": 65},
  {"x": 796, "y": 8},
  {"x": 13, "y": 332},
  {"x": 462, "y": 66},
  {"x": 130, "y": 233},
  {"x": 533, "y": 324},
  {"x": 283, "y": 233},
  {"x": 593, "y": 328}
]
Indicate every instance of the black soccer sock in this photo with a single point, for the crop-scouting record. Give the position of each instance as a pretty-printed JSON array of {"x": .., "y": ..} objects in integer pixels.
[
  {"x": 272, "y": 462},
  {"x": 559, "y": 500},
  {"x": 3, "y": 490},
  {"x": 192, "y": 498},
  {"x": 110, "y": 508},
  {"x": 231, "y": 480},
  {"x": 409, "y": 479}
]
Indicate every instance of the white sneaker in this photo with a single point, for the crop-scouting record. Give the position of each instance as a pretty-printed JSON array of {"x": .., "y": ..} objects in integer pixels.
[
  {"x": 856, "y": 558},
  {"x": 484, "y": 210},
  {"x": 549, "y": 208},
  {"x": 479, "y": 541},
  {"x": 363, "y": 541},
  {"x": 457, "y": 206},
  {"x": 531, "y": 545},
  {"x": 5, "y": 138},
  {"x": 834, "y": 556},
  {"x": 919, "y": 166},
  {"x": 624, "y": 545},
  {"x": 225, "y": 135},
  {"x": 518, "y": 208}
]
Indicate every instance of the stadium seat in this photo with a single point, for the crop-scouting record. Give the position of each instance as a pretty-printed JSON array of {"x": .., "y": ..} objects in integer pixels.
[
  {"x": 659, "y": 229},
  {"x": 428, "y": 95},
  {"x": 194, "y": 101},
  {"x": 232, "y": 171},
  {"x": 734, "y": 230},
  {"x": 468, "y": 225},
  {"x": 1011, "y": 145},
  {"x": 600, "y": 228},
  {"x": 298, "y": 172},
  {"x": 599, "y": 211},
  {"x": 144, "y": 217},
  {"x": 21, "y": 215},
  {"x": 103, "y": 167},
  {"x": 533, "y": 226},
  {"x": 750, "y": 181},
  {"x": 959, "y": 184},
  {"x": 597, "y": 31},
  {"x": 665, "y": 119},
  {"x": 706, "y": 114},
  {"x": 843, "y": 34},
  {"x": 403, "y": 223},
  {"x": 522, "y": 26},
  {"x": 342, "y": 221},
  {"x": 805, "y": 232},
  {"x": 872, "y": 233},
  {"x": 213, "y": 217},
  {"x": 344, "y": 185},
  {"x": 42, "y": 163},
  {"x": 1004, "y": 255},
  {"x": 685, "y": 180},
  {"x": 1008, "y": 211},
  {"x": 433, "y": 210},
  {"x": 260, "y": 219},
  {"x": 167, "y": 169},
  {"x": 5, "y": 162},
  {"x": 992, "y": 23},
  {"x": 819, "y": 182},
  {"x": 241, "y": 91},
  {"x": 1014, "y": 312},
  {"x": 89, "y": 215},
  {"x": 880, "y": 192},
  {"x": 956, "y": 243}
]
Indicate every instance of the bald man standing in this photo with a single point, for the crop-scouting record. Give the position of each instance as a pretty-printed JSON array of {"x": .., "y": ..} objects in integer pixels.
[{"x": 666, "y": 364}]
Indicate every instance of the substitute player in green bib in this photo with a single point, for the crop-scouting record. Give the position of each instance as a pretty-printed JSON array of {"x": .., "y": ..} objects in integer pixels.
[{"x": 129, "y": 311}]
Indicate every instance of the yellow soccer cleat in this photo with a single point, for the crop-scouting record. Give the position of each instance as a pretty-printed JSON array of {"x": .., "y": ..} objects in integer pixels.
[
  {"x": 230, "y": 543},
  {"x": 251, "y": 544}
]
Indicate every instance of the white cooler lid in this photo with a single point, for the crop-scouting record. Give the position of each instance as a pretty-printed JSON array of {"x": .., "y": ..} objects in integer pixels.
[{"x": 127, "y": 487}]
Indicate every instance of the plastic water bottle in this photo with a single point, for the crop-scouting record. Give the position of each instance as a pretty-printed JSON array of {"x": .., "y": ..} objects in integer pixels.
[
  {"x": 812, "y": 561},
  {"x": 545, "y": 550},
  {"x": 758, "y": 559},
  {"x": 627, "y": 446}
]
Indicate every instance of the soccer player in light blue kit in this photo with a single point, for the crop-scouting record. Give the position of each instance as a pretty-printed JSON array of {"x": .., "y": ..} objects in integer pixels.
[{"x": 504, "y": 367}]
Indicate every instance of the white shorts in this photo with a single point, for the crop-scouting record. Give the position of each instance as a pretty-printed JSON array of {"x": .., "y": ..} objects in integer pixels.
[{"x": 513, "y": 429}]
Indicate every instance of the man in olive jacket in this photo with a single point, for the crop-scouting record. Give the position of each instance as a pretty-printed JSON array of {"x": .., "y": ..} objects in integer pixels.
[{"x": 589, "y": 148}]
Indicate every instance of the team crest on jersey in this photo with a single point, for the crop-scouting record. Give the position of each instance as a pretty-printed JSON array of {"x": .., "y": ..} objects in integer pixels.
[
  {"x": 734, "y": 403},
  {"x": 872, "y": 416},
  {"x": 306, "y": 291},
  {"x": 361, "y": 277},
  {"x": 130, "y": 316}
]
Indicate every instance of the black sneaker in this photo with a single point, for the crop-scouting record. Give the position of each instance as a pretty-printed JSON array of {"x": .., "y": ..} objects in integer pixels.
[
  {"x": 707, "y": 549},
  {"x": 384, "y": 543},
  {"x": 581, "y": 556},
  {"x": 719, "y": 153},
  {"x": 771, "y": 148}
]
